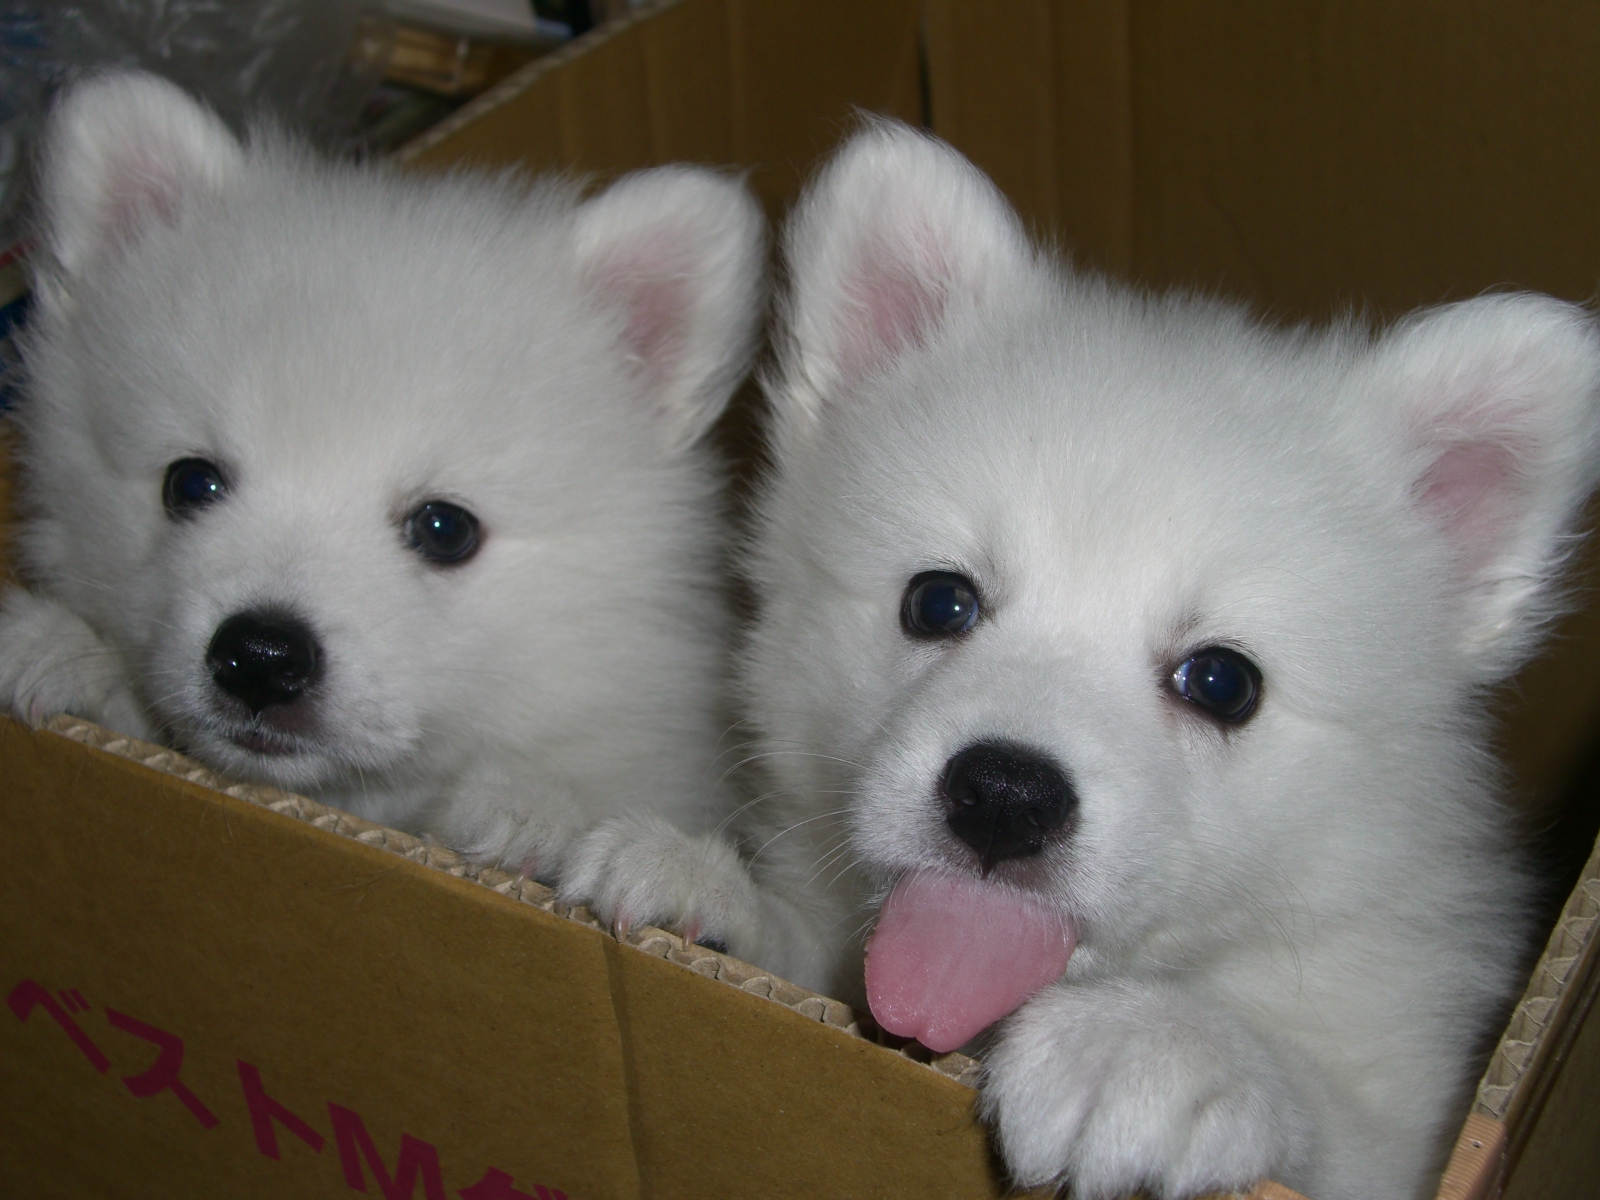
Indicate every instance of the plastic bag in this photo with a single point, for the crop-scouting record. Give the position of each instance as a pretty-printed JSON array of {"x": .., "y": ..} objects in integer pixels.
[{"x": 309, "y": 63}]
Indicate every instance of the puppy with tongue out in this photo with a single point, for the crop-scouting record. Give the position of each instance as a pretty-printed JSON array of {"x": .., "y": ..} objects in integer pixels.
[{"x": 1119, "y": 671}]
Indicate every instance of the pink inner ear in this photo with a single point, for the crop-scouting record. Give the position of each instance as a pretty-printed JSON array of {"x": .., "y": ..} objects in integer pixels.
[
  {"x": 1470, "y": 489},
  {"x": 655, "y": 321},
  {"x": 889, "y": 307},
  {"x": 140, "y": 192},
  {"x": 656, "y": 296}
]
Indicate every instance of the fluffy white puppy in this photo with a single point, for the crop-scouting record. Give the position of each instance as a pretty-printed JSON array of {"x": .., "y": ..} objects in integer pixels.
[
  {"x": 1127, "y": 660},
  {"x": 386, "y": 488}
]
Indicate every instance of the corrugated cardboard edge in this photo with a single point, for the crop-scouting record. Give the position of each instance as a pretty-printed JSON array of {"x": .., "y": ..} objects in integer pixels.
[
  {"x": 658, "y": 943},
  {"x": 1268, "y": 1190},
  {"x": 1561, "y": 983},
  {"x": 523, "y": 78},
  {"x": 1528, "y": 1057}
]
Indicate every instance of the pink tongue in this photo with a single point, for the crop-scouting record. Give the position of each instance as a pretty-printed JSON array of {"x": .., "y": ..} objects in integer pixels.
[{"x": 953, "y": 955}]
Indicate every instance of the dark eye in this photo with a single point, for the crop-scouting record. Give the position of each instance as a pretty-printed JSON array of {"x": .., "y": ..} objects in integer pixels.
[
  {"x": 1223, "y": 682},
  {"x": 191, "y": 483},
  {"x": 939, "y": 604},
  {"x": 442, "y": 532}
]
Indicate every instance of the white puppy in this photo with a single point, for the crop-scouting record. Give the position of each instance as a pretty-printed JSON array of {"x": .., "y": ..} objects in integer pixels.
[
  {"x": 385, "y": 488},
  {"x": 1128, "y": 660}
]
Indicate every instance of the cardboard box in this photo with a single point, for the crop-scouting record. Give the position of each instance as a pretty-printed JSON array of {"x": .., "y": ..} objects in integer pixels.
[
  {"x": 226, "y": 990},
  {"x": 184, "y": 957}
]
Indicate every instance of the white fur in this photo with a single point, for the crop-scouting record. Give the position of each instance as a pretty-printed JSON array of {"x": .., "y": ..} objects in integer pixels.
[
  {"x": 345, "y": 343},
  {"x": 1295, "y": 934}
]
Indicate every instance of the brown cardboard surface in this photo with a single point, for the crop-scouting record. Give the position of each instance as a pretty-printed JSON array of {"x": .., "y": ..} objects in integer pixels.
[
  {"x": 1304, "y": 156},
  {"x": 793, "y": 1108},
  {"x": 768, "y": 85},
  {"x": 344, "y": 974},
  {"x": 503, "y": 1037},
  {"x": 1040, "y": 101}
]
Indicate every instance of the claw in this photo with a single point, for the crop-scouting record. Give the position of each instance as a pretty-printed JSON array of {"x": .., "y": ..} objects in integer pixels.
[
  {"x": 690, "y": 934},
  {"x": 620, "y": 927}
]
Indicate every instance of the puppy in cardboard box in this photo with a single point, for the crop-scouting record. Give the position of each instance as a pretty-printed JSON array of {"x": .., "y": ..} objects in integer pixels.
[
  {"x": 1120, "y": 672},
  {"x": 386, "y": 488}
]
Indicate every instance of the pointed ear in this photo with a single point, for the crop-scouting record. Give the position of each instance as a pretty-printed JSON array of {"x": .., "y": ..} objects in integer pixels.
[
  {"x": 897, "y": 235},
  {"x": 120, "y": 153},
  {"x": 679, "y": 254},
  {"x": 1500, "y": 411}
]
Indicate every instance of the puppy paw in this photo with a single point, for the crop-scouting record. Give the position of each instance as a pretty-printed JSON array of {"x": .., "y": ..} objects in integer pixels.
[
  {"x": 498, "y": 818},
  {"x": 1115, "y": 1087},
  {"x": 641, "y": 870},
  {"x": 52, "y": 662}
]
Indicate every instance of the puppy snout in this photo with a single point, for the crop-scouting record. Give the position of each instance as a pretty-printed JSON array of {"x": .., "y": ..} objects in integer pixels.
[
  {"x": 1005, "y": 801},
  {"x": 264, "y": 659}
]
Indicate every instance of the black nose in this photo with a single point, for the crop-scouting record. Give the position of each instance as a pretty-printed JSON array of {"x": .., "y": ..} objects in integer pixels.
[
  {"x": 263, "y": 658},
  {"x": 1005, "y": 801}
]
